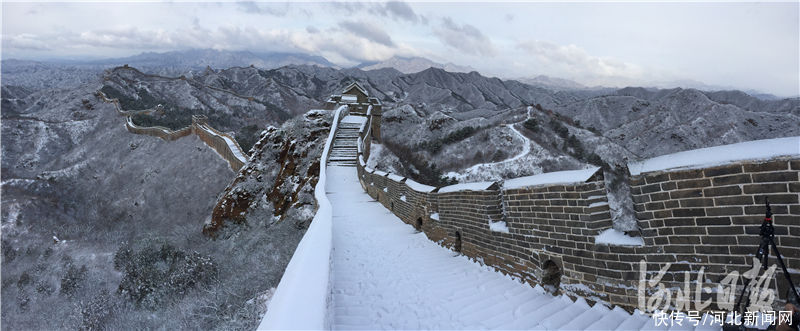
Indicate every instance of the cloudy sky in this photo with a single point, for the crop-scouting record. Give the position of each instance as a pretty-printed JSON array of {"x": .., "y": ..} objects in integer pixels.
[{"x": 741, "y": 45}]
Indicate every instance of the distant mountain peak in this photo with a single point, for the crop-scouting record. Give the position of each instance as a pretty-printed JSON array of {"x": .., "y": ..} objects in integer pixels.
[
  {"x": 553, "y": 83},
  {"x": 409, "y": 65}
]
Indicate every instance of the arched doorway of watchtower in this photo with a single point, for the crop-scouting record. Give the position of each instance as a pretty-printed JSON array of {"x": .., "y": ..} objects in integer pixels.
[
  {"x": 418, "y": 226},
  {"x": 457, "y": 245},
  {"x": 551, "y": 277},
  {"x": 391, "y": 206}
]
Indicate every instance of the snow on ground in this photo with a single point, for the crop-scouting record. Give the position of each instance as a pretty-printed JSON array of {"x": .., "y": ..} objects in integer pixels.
[
  {"x": 618, "y": 238},
  {"x": 487, "y": 167},
  {"x": 386, "y": 275},
  {"x": 355, "y": 119},
  {"x": 382, "y": 158},
  {"x": 719, "y": 155}
]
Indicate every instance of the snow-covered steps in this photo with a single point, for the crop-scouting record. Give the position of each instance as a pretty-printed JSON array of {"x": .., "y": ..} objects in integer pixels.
[
  {"x": 386, "y": 275},
  {"x": 344, "y": 151}
]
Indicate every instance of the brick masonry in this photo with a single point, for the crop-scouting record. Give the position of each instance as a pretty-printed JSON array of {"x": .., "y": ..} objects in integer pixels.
[{"x": 702, "y": 218}]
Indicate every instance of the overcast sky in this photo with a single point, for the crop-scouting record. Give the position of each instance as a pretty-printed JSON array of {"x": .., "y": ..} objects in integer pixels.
[{"x": 741, "y": 45}]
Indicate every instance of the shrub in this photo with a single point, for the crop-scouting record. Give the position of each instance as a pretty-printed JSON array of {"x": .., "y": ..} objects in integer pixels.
[
  {"x": 44, "y": 288},
  {"x": 247, "y": 137},
  {"x": 93, "y": 314},
  {"x": 596, "y": 160},
  {"x": 24, "y": 280},
  {"x": 434, "y": 146},
  {"x": 427, "y": 172},
  {"x": 559, "y": 128},
  {"x": 531, "y": 124},
  {"x": 72, "y": 280},
  {"x": 160, "y": 272}
]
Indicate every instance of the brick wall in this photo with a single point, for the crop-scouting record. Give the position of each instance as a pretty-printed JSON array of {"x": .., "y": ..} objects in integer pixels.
[
  {"x": 158, "y": 131},
  {"x": 701, "y": 218},
  {"x": 711, "y": 217},
  {"x": 213, "y": 139}
]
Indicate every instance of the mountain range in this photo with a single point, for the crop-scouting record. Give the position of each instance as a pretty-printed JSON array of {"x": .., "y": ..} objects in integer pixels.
[
  {"x": 79, "y": 192},
  {"x": 410, "y": 65}
]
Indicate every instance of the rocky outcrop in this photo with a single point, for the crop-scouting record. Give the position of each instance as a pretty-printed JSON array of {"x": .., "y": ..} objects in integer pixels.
[{"x": 278, "y": 183}]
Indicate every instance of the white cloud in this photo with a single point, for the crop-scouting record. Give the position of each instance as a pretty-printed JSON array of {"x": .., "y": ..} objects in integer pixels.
[
  {"x": 368, "y": 31},
  {"x": 575, "y": 62},
  {"x": 465, "y": 38}
]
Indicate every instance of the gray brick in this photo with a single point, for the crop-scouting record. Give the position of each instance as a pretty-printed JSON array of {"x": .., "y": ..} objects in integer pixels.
[
  {"x": 720, "y": 191},
  {"x": 765, "y": 188},
  {"x": 724, "y": 170},
  {"x": 703, "y": 221},
  {"x": 733, "y": 179},
  {"x": 651, "y": 188},
  {"x": 693, "y": 193},
  {"x": 694, "y": 183},
  {"x": 724, "y": 211},
  {"x": 768, "y": 166},
  {"x": 686, "y": 174},
  {"x": 698, "y": 202},
  {"x": 784, "y": 176},
  {"x": 734, "y": 200},
  {"x": 686, "y": 212},
  {"x": 650, "y": 179}
]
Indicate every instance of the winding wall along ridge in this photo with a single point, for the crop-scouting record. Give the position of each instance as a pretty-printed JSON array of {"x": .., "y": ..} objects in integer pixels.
[{"x": 225, "y": 145}]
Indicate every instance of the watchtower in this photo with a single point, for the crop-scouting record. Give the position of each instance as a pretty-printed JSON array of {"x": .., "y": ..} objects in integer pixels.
[
  {"x": 357, "y": 98},
  {"x": 198, "y": 120}
]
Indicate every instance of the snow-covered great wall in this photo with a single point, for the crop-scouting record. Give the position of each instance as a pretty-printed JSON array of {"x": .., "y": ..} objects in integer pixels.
[
  {"x": 225, "y": 145},
  {"x": 696, "y": 210}
]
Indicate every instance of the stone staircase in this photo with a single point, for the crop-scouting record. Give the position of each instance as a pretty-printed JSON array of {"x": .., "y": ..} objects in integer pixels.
[{"x": 345, "y": 150}]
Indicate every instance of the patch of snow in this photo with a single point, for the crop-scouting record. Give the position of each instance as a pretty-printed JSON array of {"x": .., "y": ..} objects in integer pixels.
[
  {"x": 395, "y": 178},
  {"x": 617, "y": 238},
  {"x": 479, "y": 186},
  {"x": 435, "y": 216},
  {"x": 552, "y": 178},
  {"x": 319, "y": 112},
  {"x": 598, "y": 204},
  {"x": 419, "y": 187},
  {"x": 386, "y": 189},
  {"x": 719, "y": 155},
  {"x": 354, "y": 119},
  {"x": 380, "y": 173},
  {"x": 500, "y": 226},
  {"x": 403, "y": 197}
]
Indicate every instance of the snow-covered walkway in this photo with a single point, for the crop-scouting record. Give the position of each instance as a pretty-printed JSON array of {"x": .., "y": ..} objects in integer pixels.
[{"x": 385, "y": 275}]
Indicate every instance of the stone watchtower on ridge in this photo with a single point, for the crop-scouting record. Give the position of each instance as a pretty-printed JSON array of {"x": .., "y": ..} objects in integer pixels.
[{"x": 357, "y": 98}]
